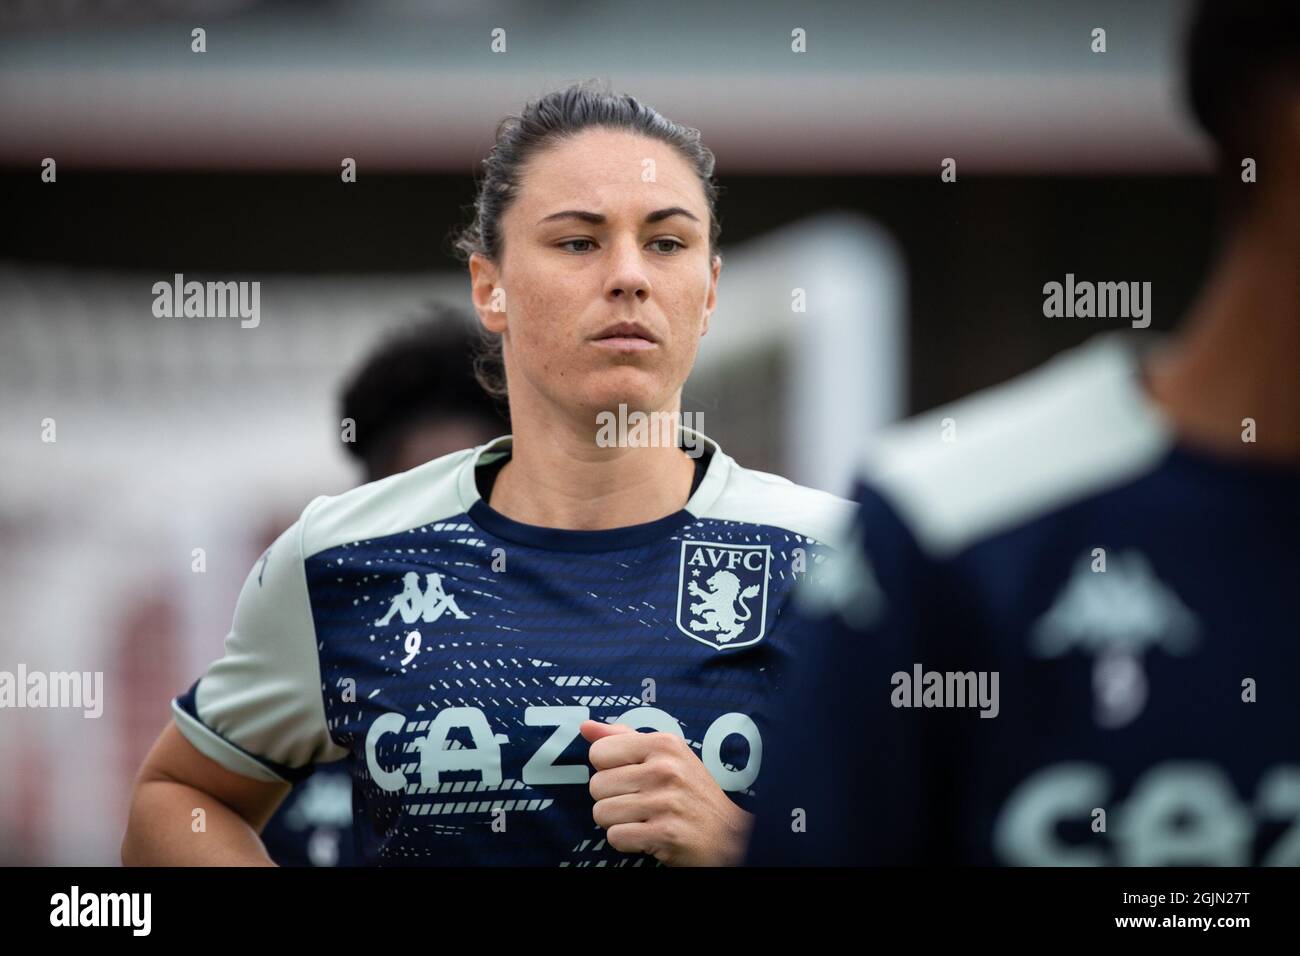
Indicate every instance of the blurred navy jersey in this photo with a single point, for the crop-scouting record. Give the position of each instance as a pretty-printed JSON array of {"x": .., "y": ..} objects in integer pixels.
[
  {"x": 1056, "y": 636},
  {"x": 313, "y": 827},
  {"x": 451, "y": 654}
]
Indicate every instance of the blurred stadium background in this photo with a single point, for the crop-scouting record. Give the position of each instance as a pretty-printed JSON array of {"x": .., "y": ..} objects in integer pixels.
[{"x": 177, "y": 434}]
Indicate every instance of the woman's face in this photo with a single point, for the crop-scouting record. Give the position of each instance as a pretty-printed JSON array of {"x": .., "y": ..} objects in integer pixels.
[{"x": 606, "y": 275}]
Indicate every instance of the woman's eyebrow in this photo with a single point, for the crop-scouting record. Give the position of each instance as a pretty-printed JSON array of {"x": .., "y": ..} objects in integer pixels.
[{"x": 598, "y": 219}]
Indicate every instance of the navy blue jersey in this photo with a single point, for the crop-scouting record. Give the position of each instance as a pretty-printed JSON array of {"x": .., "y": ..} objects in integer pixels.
[
  {"x": 1056, "y": 636},
  {"x": 313, "y": 826},
  {"x": 452, "y": 653}
]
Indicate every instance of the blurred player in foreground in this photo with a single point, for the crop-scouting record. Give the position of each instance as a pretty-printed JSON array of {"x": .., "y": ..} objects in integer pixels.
[
  {"x": 412, "y": 400},
  {"x": 481, "y": 633},
  {"x": 1070, "y": 634}
]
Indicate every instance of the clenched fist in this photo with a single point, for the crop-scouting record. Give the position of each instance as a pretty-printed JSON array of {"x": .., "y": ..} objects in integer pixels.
[{"x": 653, "y": 795}]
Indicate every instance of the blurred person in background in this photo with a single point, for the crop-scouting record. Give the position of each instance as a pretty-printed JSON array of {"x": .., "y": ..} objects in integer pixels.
[
  {"x": 480, "y": 633},
  {"x": 412, "y": 400},
  {"x": 1067, "y": 635}
]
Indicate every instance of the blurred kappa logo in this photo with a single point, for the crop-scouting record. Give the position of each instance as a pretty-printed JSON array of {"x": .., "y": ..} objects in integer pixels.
[
  {"x": 1115, "y": 615},
  {"x": 1124, "y": 608},
  {"x": 722, "y": 593}
]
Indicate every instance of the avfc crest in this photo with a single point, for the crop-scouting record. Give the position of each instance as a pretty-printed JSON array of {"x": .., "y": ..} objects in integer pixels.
[{"x": 722, "y": 593}]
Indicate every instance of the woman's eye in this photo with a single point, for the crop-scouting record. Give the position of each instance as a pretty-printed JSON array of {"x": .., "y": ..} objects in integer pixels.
[{"x": 663, "y": 246}]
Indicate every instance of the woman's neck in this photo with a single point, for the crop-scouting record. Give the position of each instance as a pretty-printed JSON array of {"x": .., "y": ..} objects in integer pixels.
[
  {"x": 1238, "y": 358},
  {"x": 559, "y": 477}
]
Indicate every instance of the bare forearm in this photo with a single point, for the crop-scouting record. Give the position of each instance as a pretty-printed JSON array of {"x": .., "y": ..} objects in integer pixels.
[{"x": 165, "y": 830}]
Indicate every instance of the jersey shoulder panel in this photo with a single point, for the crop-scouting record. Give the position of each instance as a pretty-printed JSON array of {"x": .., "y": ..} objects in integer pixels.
[
  {"x": 258, "y": 709},
  {"x": 430, "y": 492},
  {"x": 757, "y": 497},
  {"x": 1073, "y": 428}
]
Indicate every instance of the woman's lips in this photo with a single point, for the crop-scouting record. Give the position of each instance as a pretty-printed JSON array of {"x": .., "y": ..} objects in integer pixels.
[{"x": 624, "y": 343}]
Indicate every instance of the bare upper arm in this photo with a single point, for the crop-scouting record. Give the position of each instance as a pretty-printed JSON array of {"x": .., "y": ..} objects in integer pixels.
[{"x": 175, "y": 759}]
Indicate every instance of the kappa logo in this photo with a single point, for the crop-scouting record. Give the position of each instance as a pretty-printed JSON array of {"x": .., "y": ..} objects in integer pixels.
[
  {"x": 728, "y": 583},
  {"x": 1116, "y": 615},
  {"x": 427, "y": 606}
]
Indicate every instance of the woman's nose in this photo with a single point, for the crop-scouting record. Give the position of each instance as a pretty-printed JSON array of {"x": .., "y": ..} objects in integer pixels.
[{"x": 627, "y": 274}]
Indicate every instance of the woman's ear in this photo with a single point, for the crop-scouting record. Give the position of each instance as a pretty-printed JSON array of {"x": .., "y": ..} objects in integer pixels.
[
  {"x": 711, "y": 301},
  {"x": 487, "y": 293}
]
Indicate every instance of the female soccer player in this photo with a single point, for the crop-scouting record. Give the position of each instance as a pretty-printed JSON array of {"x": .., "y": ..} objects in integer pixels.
[{"x": 482, "y": 635}]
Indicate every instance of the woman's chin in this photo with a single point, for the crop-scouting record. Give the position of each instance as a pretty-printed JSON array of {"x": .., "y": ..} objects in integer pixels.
[{"x": 608, "y": 391}]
